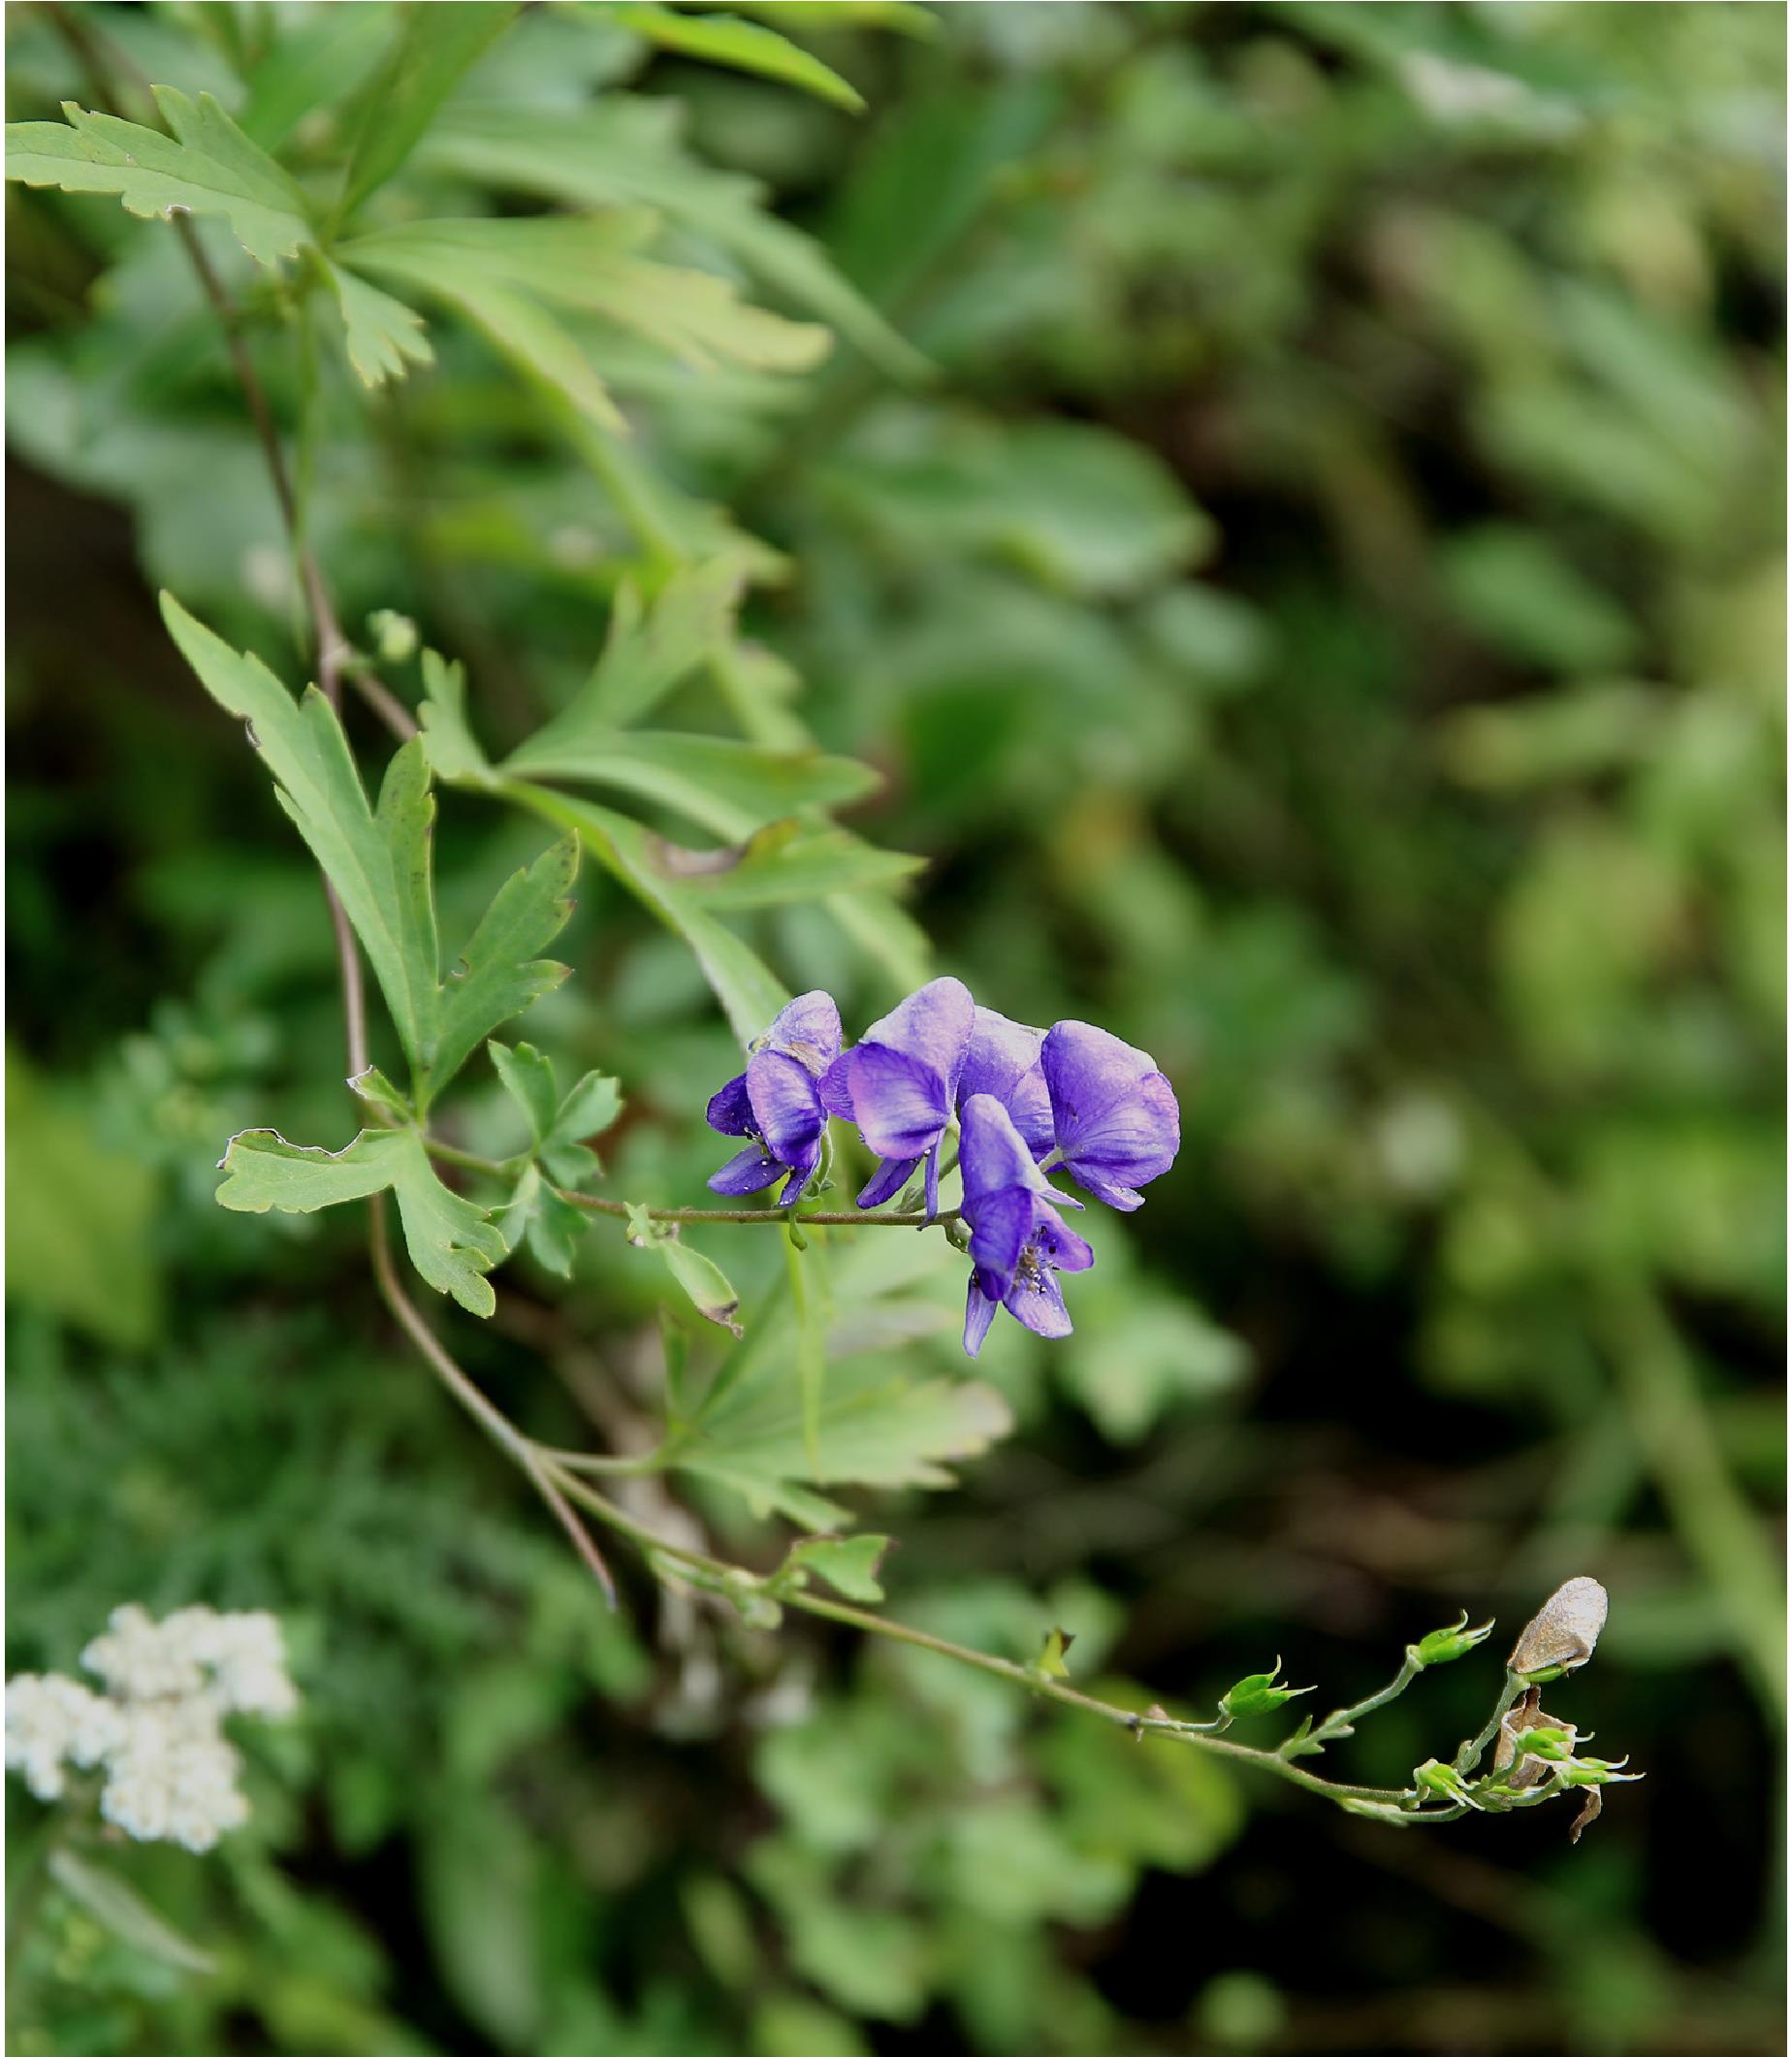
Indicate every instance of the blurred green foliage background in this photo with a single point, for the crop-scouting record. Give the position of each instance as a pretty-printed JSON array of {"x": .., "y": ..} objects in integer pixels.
[{"x": 1323, "y": 619}]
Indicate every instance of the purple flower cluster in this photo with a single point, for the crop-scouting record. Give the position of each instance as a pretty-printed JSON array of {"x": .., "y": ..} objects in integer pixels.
[{"x": 1025, "y": 1100}]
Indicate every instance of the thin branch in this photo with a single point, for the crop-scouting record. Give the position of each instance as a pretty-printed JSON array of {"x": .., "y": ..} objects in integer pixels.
[
  {"x": 517, "y": 1446},
  {"x": 1343, "y": 1720}
]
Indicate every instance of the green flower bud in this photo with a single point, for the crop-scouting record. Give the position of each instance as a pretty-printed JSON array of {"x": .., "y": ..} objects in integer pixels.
[
  {"x": 1260, "y": 1693},
  {"x": 394, "y": 635},
  {"x": 1435, "y": 1780},
  {"x": 1444, "y": 1645}
]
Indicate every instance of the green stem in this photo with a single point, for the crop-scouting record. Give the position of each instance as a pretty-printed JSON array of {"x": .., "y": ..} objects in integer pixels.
[
  {"x": 1342, "y": 1721},
  {"x": 1023, "y": 1676},
  {"x": 1471, "y": 1753},
  {"x": 518, "y": 1447},
  {"x": 771, "y": 1217}
]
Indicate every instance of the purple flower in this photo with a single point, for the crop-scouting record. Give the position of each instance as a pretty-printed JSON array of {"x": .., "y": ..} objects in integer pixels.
[
  {"x": 1113, "y": 1113},
  {"x": 776, "y": 1102},
  {"x": 1018, "y": 1242},
  {"x": 898, "y": 1084},
  {"x": 1004, "y": 1060}
]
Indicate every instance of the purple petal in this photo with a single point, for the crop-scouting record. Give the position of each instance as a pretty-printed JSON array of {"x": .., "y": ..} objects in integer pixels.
[
  {"x": 1028, "y": 1106},
  {"x": 900, "y": 1102},
  {"x": 1003, "y": 1060},
  {"x": 999, "y": 1054},
  {"x": 1086, "y": 1070},
  {"x": 1134, "y": 1142},
  {"x": 931, "y": 1188},
  {"x": 784, "y": 1109},
  {"x": 1115, "y": 1113},
  {"x": 1036, "y": 1300},
  {"x": 991, "y": 1155},
  {"x": 802, "y": 1170},
  {"x": 889, "y": 1178},
  {"x": 808, "y": 1030},
  {"x": 751, "y": 1171},
  {"x": 730, "y": 1111},
  {"x": 998, "y": 1232},
  {"x": 1124, "y": 1199},
  {"x": 979, "y": 1312},
  {"x": 1062, "y": 1248},
  {"x": 832, "y": 1088},
  {"x": 934, "y": 1025}
]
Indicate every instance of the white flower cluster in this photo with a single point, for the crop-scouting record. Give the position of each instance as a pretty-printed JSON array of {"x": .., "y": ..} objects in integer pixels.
[{"x": 158, "y": 1729}]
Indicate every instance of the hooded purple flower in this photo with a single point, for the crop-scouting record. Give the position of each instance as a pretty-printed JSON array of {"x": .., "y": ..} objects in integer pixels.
[
  {"x": 1004, "y": 1060},
  {"x": 1018, "y": 1242},
  {"x": 1113, "y": 1113},
  {"x": 775, "y": 1101},
  {"x": 898, "y": 1084}
]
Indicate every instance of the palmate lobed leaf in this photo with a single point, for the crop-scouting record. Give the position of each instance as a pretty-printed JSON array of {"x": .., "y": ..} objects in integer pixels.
[
  {"x": 877, "y": 1421},
  {"x": 379, "y": 863},
  {"x": 750, "y": 993},
  {"x": 649, "y": 651},
  {"x": 623, "y": 150},
  {"x": 498, "y": 975},
  {"x": 588, "y": 262},
  {"x": 304, "y": 747},
  {"x": 727, "y": 787},
  {"x": 382, "y": 335},
  {"x": 452, "y": 1243},
  {"x": 207, "y": 166},
  {"x": 503, "y": 275}
]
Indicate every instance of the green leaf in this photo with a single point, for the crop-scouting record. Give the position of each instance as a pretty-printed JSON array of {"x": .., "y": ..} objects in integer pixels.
[
  {"x": 724, "y": 39},
  {"x": 883, "y": 1421},
  {"x": 701, "y": 1281},
  {"x": 502, "y": 276},
  {"x": 849, "y": 1563},
  {"x": 1083, "y": 510},
  {"x": 434, "y": 49},
  {"x": 591, "y": 1108},
  {"x": 448, "y": 742},
  {"x": 781, "y": 864},
  {"x": 378, "y": 1091},
  {"x": 382, "y": 335},
  {"x": 811, "y": 1302},
  {"x": 523, "y": 331},
  {"x": 498, "y": 974},
  {"x": 648, "y": 651},
  {"x": 1260, "y": 1693},
  {"x": 728, "y": 786},
  {"x": 123, "y": 1913},
  {"x": 80, "y": 1218},
  {"x": 537, "y": 1215},
  {"x": 372, "y": 863},
  {"x": 209, "y": 167},
  {"x": 310, "y": 65},
  {"x": 452, "y": 1243},
  {"x": 750, "y": 995},
  {"x": 529, "y": 1079},
  {"x": 624, "y": 151},
  {"x": 379, "y": 864}
]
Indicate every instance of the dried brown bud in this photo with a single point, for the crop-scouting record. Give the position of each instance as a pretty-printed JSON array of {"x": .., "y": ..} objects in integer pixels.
[{"x": 1562, "y": 1633}]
